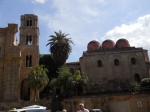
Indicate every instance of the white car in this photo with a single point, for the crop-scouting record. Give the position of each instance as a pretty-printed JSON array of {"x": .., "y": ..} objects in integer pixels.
[
  {"x": 33, "y": 108},
  {"x": 95, "y": 110}
]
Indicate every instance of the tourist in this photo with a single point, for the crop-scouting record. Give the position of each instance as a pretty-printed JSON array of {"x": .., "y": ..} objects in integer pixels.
[{"x": 82, "y": 108}]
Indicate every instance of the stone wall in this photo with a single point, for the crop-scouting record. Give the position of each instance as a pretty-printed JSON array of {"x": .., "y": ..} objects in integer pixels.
[{"x": 111, "y": 103}]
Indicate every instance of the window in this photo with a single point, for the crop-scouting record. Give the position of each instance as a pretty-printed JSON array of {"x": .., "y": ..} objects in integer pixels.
[
  {"x": 137, "y": 78},
  {"x": 28, "y": 61},
  {"x": 99, "y": 63},
  {"x": 0, "y": 51},
  {"x": 116, "y": 62},
  {"x": 28, "y": 40},
  {"x": 29, "y": 22},
  {"x": 133, "y": 61}
]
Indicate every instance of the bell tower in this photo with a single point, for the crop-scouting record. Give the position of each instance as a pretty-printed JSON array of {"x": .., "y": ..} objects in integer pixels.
[{"x": 29, "y": 44}]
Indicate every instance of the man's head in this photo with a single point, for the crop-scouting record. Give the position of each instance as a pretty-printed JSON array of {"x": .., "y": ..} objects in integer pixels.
[{"x": 81, "y": 106}]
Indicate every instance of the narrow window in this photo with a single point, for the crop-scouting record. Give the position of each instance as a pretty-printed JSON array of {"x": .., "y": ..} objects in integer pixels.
[
  {"x": 0, "y": 51},
  {"x": 27, "y": 22},
  {"x": 99, "y": 63},
  {"x": 28, "y": 61},
  {"x": 116, "y": 62},
  {"x": 30, "y": 22},
  {"x": 137, "y": 78},
  {"x": 27, "y": 38},
  {"x": 30, "y": 40},
  {"x": 133, "y": 61}
]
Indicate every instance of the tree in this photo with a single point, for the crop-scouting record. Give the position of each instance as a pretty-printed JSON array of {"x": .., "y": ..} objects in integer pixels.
[
  {"x": 60, "y": 47},
  {"x": 145, "y": 84},
  {"x": 37, "y": 80},
  {"x": 68, "y": 82}
]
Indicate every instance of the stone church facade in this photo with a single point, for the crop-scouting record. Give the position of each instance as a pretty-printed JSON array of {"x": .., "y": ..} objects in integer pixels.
[
  {"x": 16, "y": 59},
  {"x": 112, "y": 66}
]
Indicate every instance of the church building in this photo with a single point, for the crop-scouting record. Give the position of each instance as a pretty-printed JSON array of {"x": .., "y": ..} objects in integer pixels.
[
  {"x": 112, "y": 66},
  {"x": 17, "y": 58}
]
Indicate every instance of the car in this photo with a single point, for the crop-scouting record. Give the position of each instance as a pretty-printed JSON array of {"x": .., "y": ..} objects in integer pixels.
[
  {"x": 95, "y": 110},
  {"x": 33, "y": 108}
]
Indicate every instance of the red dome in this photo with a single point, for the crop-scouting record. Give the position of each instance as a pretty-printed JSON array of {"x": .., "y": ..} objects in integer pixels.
[
  {"x": 108, "y": 44},
  {"x": 122, "y": 43},
  {"x": 93, "y": 45}
]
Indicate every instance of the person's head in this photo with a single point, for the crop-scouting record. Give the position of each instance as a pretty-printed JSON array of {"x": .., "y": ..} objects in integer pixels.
[
  {"x": 64, "y": 110},
  {"x": 81, "y": 106}
]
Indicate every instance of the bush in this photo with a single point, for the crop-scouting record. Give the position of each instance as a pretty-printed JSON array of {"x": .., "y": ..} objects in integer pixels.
[{"x": 145, "y": 84}]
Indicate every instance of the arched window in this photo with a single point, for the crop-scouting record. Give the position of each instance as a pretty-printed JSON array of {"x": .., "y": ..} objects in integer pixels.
[
  {"x": 29, "y": 40},
  {"x": 137, "y": 78},
  {"x": 0, "y": 51},
  {"x": 133, "y": 61},
  {"x": 99, "y": 63},
  {"x": 116, "y": 62},
  {"x": 28, "y": 61},
  {"x": 29, "y": 22}
]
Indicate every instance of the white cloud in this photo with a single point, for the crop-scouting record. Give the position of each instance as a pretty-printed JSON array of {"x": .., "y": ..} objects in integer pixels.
[
  {"x": 137, "y": 33},
  {"x": 39, "y": 1},
  {"x": 87, "y": 20}
]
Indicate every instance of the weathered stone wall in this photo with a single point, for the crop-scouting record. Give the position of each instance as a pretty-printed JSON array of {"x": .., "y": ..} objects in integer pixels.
[
  {"x": 102, "y": 78},
  {"x": 138, "y": 102}
]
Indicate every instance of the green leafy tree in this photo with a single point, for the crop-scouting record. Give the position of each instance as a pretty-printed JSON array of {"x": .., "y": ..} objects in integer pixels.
[
  {"x": 145, "y": 84},
  {"x": 79, "y": 81},
  {"x": 60, "y": 47},
  {"x": 37, "y": 80},
  {"x": 68, "y": 82}
]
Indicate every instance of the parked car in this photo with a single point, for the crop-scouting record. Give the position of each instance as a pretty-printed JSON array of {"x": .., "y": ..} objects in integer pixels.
[
  {"x": 95, "y": 110},
  {"x": 33, "y": 108}
]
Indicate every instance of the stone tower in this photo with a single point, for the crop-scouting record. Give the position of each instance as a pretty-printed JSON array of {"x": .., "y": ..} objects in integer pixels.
[
  {"x": 10, "y": 58},
  {"x": 29, "y": 45}
]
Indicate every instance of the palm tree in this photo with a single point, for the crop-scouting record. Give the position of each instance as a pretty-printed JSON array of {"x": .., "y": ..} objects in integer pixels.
[
  {"x": 37, "y": 80},
  {"x": 60, "y": 47}
]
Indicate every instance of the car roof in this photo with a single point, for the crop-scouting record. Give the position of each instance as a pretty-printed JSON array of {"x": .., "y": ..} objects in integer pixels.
[
  {"x": 95, "y": 109},
  {"x": 33, "y": 107}
]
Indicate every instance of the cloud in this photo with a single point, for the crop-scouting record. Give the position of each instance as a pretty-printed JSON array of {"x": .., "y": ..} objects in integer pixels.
[
  {"x": 137, "y": 33},
  {"x": 87, "y": 20},
  {"x": 39, "y": 1}
]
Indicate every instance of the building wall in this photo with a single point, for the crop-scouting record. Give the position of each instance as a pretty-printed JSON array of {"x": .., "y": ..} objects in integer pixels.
[
  {"x": 110, "y": 103},
  {"x": 10, "y": 64},
  {"x": 102, "y": 78},
  {"x": 14, "y": 56}
]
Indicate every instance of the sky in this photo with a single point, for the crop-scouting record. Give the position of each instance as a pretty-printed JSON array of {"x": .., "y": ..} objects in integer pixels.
[{"x": 84, "y": 21}]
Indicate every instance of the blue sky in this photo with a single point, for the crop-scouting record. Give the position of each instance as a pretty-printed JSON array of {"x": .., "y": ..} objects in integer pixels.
[{"x": 84, "y": 20}]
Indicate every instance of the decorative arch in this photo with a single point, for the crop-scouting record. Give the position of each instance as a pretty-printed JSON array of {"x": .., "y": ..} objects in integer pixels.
[
  {"x": 28, "y": 57},
  {"x": 29, "y": 22}
]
